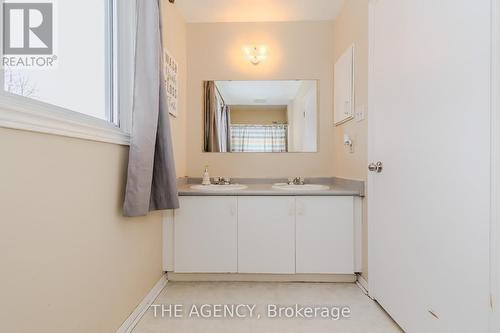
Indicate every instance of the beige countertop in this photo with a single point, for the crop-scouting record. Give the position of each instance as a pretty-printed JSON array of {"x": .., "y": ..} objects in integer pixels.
[{"x": 263, "y": 187}]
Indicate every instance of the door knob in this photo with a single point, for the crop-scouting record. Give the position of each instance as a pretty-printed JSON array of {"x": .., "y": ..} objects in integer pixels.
[{"x": 376, "y": 167}]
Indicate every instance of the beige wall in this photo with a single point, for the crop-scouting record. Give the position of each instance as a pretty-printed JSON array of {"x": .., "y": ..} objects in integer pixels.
[
  {"x": 297, "y": 50},
  {"x": 351, "y": 27},
  {"x": 174, "y": 40},
  {"x": 69, "y": 261},
  {"x": 249, "y": 114}
]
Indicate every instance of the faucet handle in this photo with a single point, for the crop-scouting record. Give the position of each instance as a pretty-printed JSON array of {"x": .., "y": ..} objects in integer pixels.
[{"x": 296, "y": 181}]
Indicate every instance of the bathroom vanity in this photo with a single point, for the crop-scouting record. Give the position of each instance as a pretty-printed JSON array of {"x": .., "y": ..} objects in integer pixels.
[{"x": 261, "y": 229}]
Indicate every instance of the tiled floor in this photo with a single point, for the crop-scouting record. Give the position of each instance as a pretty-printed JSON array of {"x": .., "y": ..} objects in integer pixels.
[{"x": 366, "y": 316}]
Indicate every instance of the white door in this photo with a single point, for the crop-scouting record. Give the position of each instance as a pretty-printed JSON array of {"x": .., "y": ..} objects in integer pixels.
[
  {"x": 430, "y": 126},
  {"x": 495, "y": 230},
  {"x": 266, "y": 235},
  {"x": 205, "y": 230},
  {"x": 325, "y": 235}
]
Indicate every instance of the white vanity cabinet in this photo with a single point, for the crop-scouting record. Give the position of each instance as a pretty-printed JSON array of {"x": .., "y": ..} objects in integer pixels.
[
  {"x": 266, "y": 235},
  {"x": 205, "y": 235},
  {"x": 325, "y": 235}
]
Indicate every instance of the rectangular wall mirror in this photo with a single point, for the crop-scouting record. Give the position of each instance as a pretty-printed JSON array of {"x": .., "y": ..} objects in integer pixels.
[{"x": 260, "y": 116}]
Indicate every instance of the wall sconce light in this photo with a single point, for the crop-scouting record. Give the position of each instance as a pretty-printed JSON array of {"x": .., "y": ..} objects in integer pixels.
[{"x": 255, "y": 54}]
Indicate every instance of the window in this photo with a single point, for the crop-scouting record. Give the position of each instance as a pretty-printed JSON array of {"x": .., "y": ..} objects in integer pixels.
[{"x": 61, "y": 63}]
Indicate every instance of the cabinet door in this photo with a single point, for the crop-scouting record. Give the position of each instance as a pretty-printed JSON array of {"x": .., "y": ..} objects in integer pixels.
[
  {"x": 266, "y": 235},
  {"x": 205, "y": 230},
  {"x": 325, "y": 235}
]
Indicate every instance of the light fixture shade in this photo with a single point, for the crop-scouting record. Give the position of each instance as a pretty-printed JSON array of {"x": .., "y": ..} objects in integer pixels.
[{"x": 255, "y": 54}]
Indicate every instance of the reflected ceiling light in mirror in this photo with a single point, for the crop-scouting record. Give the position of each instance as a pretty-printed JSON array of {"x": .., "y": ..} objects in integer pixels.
[{"x": 255, "y": 54}]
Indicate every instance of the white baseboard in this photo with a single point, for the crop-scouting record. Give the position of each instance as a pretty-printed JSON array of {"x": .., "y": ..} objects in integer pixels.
[
  {"x": 129, "y": 324},
  {"x": 363, "y": 284},
  {"x": 239, "y": 277}
]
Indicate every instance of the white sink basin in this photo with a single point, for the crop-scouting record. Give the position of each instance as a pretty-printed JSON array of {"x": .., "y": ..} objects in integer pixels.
[
  {"x": 230, "y": 187},
  {"x": 306, "y": 187}
]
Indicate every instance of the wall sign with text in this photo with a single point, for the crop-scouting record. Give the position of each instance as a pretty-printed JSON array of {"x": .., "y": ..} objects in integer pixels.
[{"x": 170, "y": 72}]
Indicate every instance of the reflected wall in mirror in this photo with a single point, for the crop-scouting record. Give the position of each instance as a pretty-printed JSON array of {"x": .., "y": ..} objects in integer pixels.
[{"x": 260, "y": 116}]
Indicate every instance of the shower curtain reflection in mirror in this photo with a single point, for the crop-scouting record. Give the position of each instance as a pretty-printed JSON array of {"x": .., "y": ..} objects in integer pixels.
[
  {"x": 217, "y": 120},
  {"x": 259, "y": 138}
]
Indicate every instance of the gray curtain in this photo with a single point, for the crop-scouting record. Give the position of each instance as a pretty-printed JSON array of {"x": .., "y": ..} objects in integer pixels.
[
  {"x": 217, "y": 133},
  {"x": 151, "y": 182}
]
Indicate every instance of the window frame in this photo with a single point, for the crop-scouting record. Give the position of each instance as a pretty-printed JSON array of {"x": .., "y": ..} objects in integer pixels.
[{"x": 18, "y": 112}]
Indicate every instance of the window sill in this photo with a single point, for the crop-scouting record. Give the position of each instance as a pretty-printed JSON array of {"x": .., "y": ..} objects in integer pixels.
[{"x": 24, "y": 114}]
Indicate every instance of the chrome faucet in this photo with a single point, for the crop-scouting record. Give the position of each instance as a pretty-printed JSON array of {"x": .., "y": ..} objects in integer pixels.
[
  {"x": 221, "y": 181},
  {"x": 296, "y": 181}
]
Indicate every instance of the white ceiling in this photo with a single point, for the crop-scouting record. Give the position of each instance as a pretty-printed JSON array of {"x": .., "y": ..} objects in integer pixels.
[
  {"x": 258, "y": 92},
  {"x": 259, "y": 10}
]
